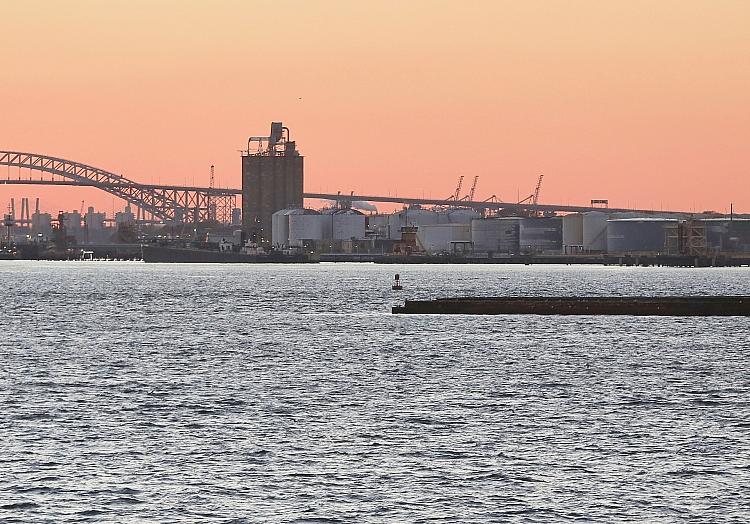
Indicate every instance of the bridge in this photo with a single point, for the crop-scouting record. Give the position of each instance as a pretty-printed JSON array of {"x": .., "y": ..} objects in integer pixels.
[
  {"x": 166, "y": 202},
  {"x": 172, "y": 203}
]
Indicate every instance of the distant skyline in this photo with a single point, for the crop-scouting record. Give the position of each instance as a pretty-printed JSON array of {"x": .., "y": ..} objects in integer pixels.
[{"x": 644, "y": 103}]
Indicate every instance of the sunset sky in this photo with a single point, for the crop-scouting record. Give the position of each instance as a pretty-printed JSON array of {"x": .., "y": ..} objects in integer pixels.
[{"x": 646, "y": 103}]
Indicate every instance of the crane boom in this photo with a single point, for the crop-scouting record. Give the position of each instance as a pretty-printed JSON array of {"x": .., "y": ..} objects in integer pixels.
[
  {"x": 473, "y": 188},
  {"x": 457, "y": 195},
  {"x": 536, "y": 191}
]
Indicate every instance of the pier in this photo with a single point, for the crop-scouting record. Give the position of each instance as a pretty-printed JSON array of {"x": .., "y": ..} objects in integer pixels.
[{"x": 633, "y": 306}]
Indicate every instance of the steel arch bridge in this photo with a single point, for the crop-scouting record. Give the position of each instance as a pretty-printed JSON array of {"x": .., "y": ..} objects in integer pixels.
[{"x": 168, "y": 203}]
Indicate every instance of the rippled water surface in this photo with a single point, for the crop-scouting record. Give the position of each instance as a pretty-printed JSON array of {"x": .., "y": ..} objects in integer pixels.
[{"x": 252, "y": 393}]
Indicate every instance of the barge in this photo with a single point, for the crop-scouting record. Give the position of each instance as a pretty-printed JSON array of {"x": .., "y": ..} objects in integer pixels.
[
  {"x": 635, "y": 306},
  {"x": 171, "y": 254}
]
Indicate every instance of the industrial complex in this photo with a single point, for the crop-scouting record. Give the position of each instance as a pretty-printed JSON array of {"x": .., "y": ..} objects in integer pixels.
[{"x": 273, "y": 218}]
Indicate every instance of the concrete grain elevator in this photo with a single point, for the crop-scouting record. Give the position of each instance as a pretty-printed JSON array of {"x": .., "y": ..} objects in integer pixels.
[{"x": 272, "y": 179}]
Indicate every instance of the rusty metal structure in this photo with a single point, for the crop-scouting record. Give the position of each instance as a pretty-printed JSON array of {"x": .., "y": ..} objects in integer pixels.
[
  {"x": 687, "y": 238},
  {"x": 169, "y": 203}
]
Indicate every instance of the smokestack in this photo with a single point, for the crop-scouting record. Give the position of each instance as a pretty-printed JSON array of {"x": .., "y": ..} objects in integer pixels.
[
  {"x": 13, "y": 208},
  {"x": 28, "y": 219},
  {"x": 36, "y": 210},
  {"x": 23, "y": 209}
]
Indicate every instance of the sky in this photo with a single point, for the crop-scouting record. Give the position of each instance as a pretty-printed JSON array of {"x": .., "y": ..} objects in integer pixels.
[{"x": 643, "y": 103}]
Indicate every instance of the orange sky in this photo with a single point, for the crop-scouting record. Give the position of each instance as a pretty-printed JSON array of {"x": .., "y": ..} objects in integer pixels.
[{"x": 646, "y": 103}]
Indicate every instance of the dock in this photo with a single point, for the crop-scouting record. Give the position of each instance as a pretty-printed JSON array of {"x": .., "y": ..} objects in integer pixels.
[{"x": 635, "y": 306}]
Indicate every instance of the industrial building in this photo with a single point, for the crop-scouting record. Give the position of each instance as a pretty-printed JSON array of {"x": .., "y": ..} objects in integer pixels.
[{"x": 272, "y": 180}]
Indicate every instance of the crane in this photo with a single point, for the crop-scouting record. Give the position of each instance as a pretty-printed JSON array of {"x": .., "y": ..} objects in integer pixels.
[
  {"x": 536, "y": 191},
  {"x": 473, "y": 188},
  {"x": 533, "y": 198},
  {"x": 458, "y": 188}
]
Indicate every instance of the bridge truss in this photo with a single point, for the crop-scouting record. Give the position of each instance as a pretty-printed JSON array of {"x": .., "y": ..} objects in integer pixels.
[{"x": 177, "y": 204}]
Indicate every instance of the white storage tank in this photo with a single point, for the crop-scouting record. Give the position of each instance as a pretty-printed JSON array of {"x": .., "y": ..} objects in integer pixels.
[
  {"x": 280, "y": 224},
  {"x": 495, "y": 235},
  {"x": 541, "y": 235},
  {"x": 572, "y": 233},
  {"x": 437, "y": 238},
  {"x": 412, "y": 216},
  {"x": 280, "y": 228},
  {"x": 457, "y": 216},
  {"x": 305, "y": 227},
  {"x": 345, "y": 225},
  {"x": 595, "y": 231},
  {"x": 637, "y": 235}
]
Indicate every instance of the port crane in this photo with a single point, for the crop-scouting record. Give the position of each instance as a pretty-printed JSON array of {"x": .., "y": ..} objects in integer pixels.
[
  {"x": 473, "y": 188},
  {"x": 536, "y": 191},
  {"x": 533, "y": 198},
  {"x": 458, "y": 188}
]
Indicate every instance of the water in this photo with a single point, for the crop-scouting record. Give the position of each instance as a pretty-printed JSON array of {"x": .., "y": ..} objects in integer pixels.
[{"x": 178, "y": 393}]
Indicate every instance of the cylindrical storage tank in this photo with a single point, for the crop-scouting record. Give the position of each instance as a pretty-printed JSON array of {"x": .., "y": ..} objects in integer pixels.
[
  {"x": 739, "y": 235},
  {"x": 595, "y": 231},
  {"x": 377, "y": 221},
  {"x": 572, "y": 233},
  {"x": 541, "y": 235},
  {"x": 717, "y": 233},
  {"x": 280, "y": 224},
  {"x": 348, "y": 225},
  {"x": 637, "y": 235},
  {"x": 280, "y": 228},
  {"x": 305, "y": 227},
  {"x": 459, "y": 216},
  {"x": 413, "y": 216},
  {"x": 377, "y": 224},
  {"x": 626, "y": 214},
  {"x": 495, "y": 235},
  {"x": 437, "y": 238}
]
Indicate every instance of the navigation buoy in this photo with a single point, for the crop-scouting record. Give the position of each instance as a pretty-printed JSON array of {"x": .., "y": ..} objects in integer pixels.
[{"x": 397, "y": 283}]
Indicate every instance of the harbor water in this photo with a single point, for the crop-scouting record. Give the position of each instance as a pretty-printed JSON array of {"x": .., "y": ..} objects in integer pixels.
[{"x": 289, "y": 393}]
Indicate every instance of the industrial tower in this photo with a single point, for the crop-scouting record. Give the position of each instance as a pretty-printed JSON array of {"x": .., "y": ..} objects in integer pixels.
[{"x": 272, "y": 179}]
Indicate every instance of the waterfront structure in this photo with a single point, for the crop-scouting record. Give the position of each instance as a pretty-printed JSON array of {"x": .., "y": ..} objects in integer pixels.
[
  {"x": 272, "y": 180},
  {"x": 496, "y": 235},
  {"x": 444, "y": 238},
  {"x": 638, "y": 235}
]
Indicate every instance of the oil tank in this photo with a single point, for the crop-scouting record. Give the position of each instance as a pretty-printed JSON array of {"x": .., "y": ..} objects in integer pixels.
[
  {"x": 457, "y": 216},
  {"x": 345, "y": 225},
  {"x": 280, "y": 232},
  {"x": 595, "y": 231},
  {"x": 541, "y": 235},
  {"x": 572, "y": 233},
  {"x": 305, "y": 227},
  {"x": 280, "y": 228},
  {"x": 717, "y": 233},
  {"x": 739, "y": 235},
  {"x": 437, "y": 238},
  {"x": 637, "y": 235},
  {"x": 495, "y": 235},
  {"x": 377, "y": 225},
  {"x": 412, "y": 216}
]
